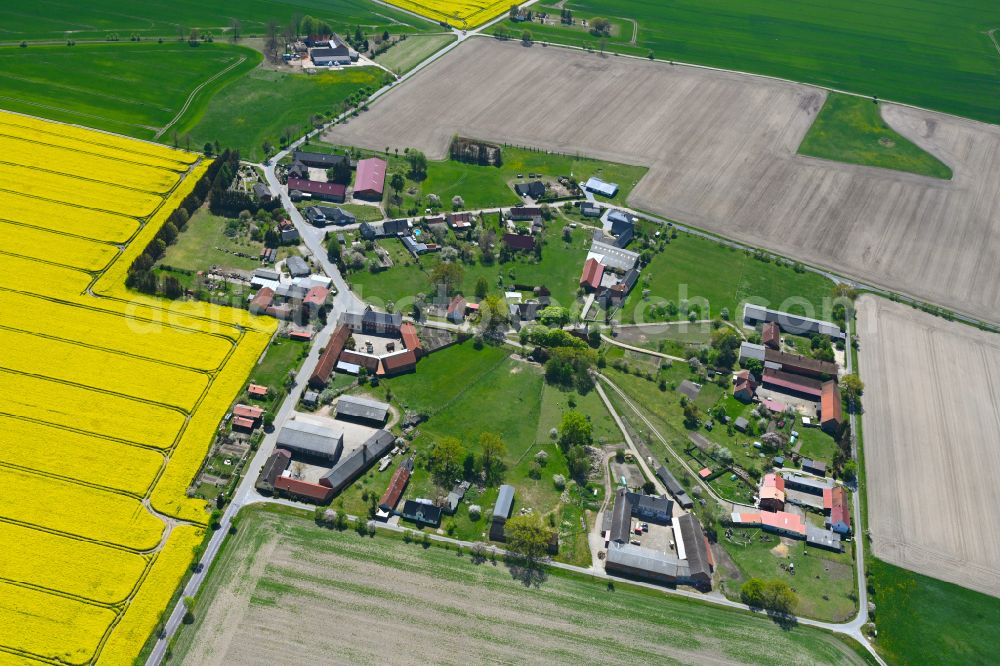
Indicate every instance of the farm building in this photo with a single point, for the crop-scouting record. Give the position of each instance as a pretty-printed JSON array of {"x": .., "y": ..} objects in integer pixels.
[
  {"x": 297, "y": 267},
  {"x": 411, "y": 341},
  {"x": 806, "y": 387},
  {"x": 534, "y": 189},
  {"x": 422, "y": 512},
  {"x": 778, "y": 522},
  {"x": 598, "y": 186},
  {"x": 501, "y": 512},
  {"x": 303, "y": 490},
  {"x": 831, "y": 413},
  {"x": 328, "y": 359},
  {"x": 372, "y": 322},
  {"x": 790, "y": 323},
  {"x": 820, "y": 538},
  {"x": 273, "y": 467},
  {"x": 816, "y": 467},
  {"x": 334, "y": 192},
  {"x": 454, "y": 497},
  {"x": 262, "y": 301},
  {"x": 398, "y": 363},
  {"x": 744, "y": 386},
  {"x": 593, "y": 271},
  {"x": 393, "y": 228},
  {"x": 518, "y": 242},
  {"x": 318, "y": 160},
  {"x": 620, "y": 221},
  {"x": 615, "y": 258},
  {"x": 674, "y": 488},
  {"x": 749, "y": 350},
  {"x": 456, "y": 310},
  {"x": 806, "y": 484},
  {"x": 630, "y": 505},
  {"x": 358, "y": 461},
  {"x": 772, "y": 493},
  {"x": 362, "y": 410},
  {"x": 390, "y": 498},
  {"x": 312, "y": 440},
  {"x": 798, "y": 364},
  {"x": 590, "y": 209},
  {"x": 369, "y": 183}
]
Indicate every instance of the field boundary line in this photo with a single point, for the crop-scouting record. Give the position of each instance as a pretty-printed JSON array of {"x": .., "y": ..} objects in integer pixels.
[
  {"x": 78, "y": 537},
  {"x": 194, "y": 93},
  {"x": 51, "y": 107},
  {"x": 31, "y": 471},
  {"x": 7, "y": 135},
  {"x": 79, "y": 431}
]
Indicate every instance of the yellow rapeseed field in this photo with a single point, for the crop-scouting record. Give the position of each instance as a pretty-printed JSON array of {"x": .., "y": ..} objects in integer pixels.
[
  {"x": 111, "y": 398},
  {"x": 50, "y": 626},
  {"x": 99, "y": 573},
  {"x": 95, "y": 194},
  {"x": 115, "y": 373},
  {"x": 57, "y": 505},
  {"x": 87, "y": 165},
  {"x": 87, "y": 458},
  {"x": 81, "y": 253},
  {"x": 458, "y": 13},
  {"x": 110, "y": 330},
  {"x": 66, "y": 219}
]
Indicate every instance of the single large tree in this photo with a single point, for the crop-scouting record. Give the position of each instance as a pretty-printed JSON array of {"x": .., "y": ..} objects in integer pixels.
[
  {"x": 527, "y": 537},
  {"x": 575, "y": 430},
  {"x": 448, "y": 275},
  {"x": 445, "y": 460},
  {"x": 493, "y": 317},
  {"x": 491, "y": 454}
]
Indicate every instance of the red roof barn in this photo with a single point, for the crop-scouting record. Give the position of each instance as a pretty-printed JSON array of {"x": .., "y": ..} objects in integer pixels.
[
  {"x": 330, "y": 191},
  {"x": 593, "y": 271},
  {"x": 831, "y": 415},
  {"x": 771, "y": 335},
  {"x": 370, "y": 180}
]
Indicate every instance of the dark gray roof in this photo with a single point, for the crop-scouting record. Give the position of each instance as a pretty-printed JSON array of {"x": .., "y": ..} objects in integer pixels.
[
  {"x": 422, "y": 513},
  {"x": 362, "y": 408},
  {"x": 371, "y": 317},
  {"x": 694, "y": 545},
  {"x": 356, "y": 462},
  {"x": 817, "y": 536},
  {"x": 650, "y": 503},
  {"x": 297, "y": 266},
  {"x": 535, "y": 189},
  {"x": 261, "y": 190},
  {"x": 318, "y": 160},
  {"x": 505, "y": 502},
  {"x": 674, "y": 488},
  {"x": 393, "y": 227},
  {"x": 456, "y": 495},
  {"x": 647, "y": 560},
  {"x": 807, "y": 482},
  {"x": 621, "y": 516},
  {"x": 311, "y": 438}
]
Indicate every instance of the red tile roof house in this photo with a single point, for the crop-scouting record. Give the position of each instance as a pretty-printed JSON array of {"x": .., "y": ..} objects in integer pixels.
[
  {"x": 315, "y": 299},
  {"x": 327, "y": 191},
  {"x": 772, "y": 493},
  {"x": 796, "y": 384},
  {"x": 593, "y": 271},
  {"x": 831, "y": 414},
  {"x": 839, "y": 519},
  {"x": 369, "y": 182},
  {"x": 248, "y": 411},
  {"x": 257, "y": 391},
  {"x": 771, "y": 336},
  {"x": 328, "y": 359},
  {"x": 744, "y": 386},
  {"x": 459, "y": 220},
  {"x": 262, "y": 301},
  {"x": 303, "y": 489},
  {"x": 390, "y": 498},
  {"x": 408, "y": 332}
]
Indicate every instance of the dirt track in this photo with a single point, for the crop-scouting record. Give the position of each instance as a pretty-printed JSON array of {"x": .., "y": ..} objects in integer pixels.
[
  {"x": 721, "y": 148},
  {"x": 931, "y": 424}
]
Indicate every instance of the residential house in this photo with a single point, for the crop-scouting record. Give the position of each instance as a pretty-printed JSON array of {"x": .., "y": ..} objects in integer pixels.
[
  {"x": 455, "y": 497},
  {"x": 456, "y": 310},
  {"x": 257, "y": 391},
  {"x": 372, "y": 322},
  {"x": 287, "y": 233},
  {"x": 262, "y": 193},
  {"x": 501, "y": 512},
  {"x": 334, "y": 192},
  {"x": 838, "y": 516},
  {"x": 369, "y": 182},
  {"x": 651, "y": 508},
  {"x": 518, "y": 243},
  {"x": 415, "y": 247},
  {"x": 262, "y": 300},
  {"x": 534, "y": 189},
  {"x": 816, "y": 467},
  {"x": 367, "y": 231},
  {"x": 273, "y": 468},
  {"x": 772, "y": 493},
  {"x": 744, "y": 386},
  {"x": 330, "y": 56},
  {"x": 590, "y": 209},
  {"x": 524, "y": 213},
  {"x": 459, "y": 221},
  {"x": 394, "y": 228},
  {"x": 422, "y": 512},
  {"x": 297, "y": 267}
]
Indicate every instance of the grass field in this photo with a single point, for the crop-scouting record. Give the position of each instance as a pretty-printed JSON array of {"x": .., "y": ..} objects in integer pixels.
[
  {"x": 851, "y": 129},
  {"x": 257, "y": 107},
  {"x": 918, "y": 616},
  {"x": 129, "y": 88},
  {"x": 135, "y": 389},
  {"x": 714, "y": 277},
  {"x": 282, "y": 572},
  {"x": 198, "y": 247},
  {"x": 405, "y": 55},
  {"x": 920, "y": 52},
  {"x": 52, "y": 19}
]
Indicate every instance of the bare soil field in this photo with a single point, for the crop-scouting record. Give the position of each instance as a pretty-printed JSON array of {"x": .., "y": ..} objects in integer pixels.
[
  {"x": 721, "y": 148},
  {"x": 286, "y": 591},
  {"x": 931, "y": 424}
]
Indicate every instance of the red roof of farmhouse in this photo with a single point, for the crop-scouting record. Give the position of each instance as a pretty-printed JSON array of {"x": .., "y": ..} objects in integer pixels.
[
  {"x": 793, "y": 382},
  {"x": 248, "y": 411},
  {"x": 313, "y": 491},
  {"x": 839, "y": 509},
  {"x": 370, "y": 176},
  {"x": 316, "y": 187},
  {"x": 316, "y": 296},
  {"x": 409, "y": 334},
  {"x": 593, "y": 271},
  {"x": 257, "y": 390}
]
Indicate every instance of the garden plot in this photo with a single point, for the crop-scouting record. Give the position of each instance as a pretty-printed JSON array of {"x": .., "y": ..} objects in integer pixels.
[
  {"x": 721, "y": 148},
  {"x": 932, "y": 414}
]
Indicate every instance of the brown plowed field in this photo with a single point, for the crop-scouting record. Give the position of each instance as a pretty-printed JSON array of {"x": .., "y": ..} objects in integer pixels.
[
  {"x": 721, "y": 151},
  {"x": 932, "y": 443}
]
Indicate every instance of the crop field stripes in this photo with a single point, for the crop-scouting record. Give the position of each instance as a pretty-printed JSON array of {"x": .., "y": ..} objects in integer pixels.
[{"x": 112, "y": 397}]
